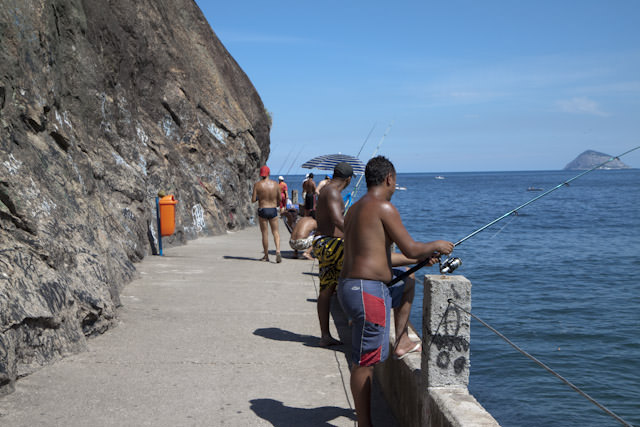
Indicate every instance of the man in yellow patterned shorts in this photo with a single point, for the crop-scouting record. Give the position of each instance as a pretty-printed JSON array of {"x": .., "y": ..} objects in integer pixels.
[{"x": 328, "y": 245}]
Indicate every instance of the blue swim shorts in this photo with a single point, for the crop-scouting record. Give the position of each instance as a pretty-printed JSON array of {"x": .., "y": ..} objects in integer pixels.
[{"x": 368, "y": 303}]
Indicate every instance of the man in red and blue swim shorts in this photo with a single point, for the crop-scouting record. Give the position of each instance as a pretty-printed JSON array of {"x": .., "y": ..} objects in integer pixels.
[{"x": 371, "y": 226}]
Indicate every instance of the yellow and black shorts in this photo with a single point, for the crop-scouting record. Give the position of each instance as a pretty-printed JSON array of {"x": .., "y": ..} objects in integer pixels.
[{"x": 330, "y": 253}]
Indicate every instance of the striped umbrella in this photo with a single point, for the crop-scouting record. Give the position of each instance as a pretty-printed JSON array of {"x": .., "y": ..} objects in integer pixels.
[{"x": 329, "y": 161}]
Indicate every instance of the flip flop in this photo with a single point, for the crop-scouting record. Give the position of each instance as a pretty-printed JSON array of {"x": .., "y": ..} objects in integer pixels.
[
  {"x": 416, "y": 349},
  {"x": 265, "y": 258}
]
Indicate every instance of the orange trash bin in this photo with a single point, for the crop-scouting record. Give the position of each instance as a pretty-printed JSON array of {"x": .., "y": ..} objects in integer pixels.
[{"x": 167, "y": 215}]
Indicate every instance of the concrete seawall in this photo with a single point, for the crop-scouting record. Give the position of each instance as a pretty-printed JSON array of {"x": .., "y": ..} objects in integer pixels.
[{"x": 431, "y": 389}]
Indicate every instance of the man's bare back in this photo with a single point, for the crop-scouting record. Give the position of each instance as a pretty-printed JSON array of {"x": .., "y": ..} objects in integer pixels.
[
  {"x": 330, "y": 210},
  {"x": 309, "y": 186},
  {"x": 303, "y": 228},
  {"x": 267, "y": 193},
  {"x": 372, "y": 224}
]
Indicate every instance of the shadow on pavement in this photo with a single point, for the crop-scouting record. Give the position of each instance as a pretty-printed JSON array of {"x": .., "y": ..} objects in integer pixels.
[
  {"x": 281, "y": 415},
  {"x": 278, "y": 334},
  {"x": 242, "y": 258}
]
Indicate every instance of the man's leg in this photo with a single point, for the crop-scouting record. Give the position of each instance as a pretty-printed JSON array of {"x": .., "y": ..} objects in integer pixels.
[
  {"x": 401, "y": 319},
  {"x": 276, "y": 237},
  {"x": 264, "y": 229},
  {"x": 361, "y": 377},
  {"x": 324, "y": 306}
]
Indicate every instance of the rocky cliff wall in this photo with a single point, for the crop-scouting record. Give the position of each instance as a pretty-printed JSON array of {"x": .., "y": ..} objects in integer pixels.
[{"x": 102, "y": 104}]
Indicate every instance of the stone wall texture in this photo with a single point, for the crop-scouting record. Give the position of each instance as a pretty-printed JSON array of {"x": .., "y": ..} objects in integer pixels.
[{"x": 103, "y": 103}]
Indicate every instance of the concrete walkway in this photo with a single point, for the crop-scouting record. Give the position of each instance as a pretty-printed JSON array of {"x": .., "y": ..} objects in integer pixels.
[{"x": 208, "y": 336}]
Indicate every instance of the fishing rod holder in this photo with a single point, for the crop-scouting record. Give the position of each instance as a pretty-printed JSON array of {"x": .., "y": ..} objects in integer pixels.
[{"x": 449, "y": 265}]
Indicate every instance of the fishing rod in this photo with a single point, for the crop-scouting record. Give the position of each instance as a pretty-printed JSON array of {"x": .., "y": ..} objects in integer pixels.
[
  {"x": 365, "y": 140},
  {"x": 450, "y": 264},
  {"x": 355, "y": 189},
  {"x": 285, "y": 162},
  {"x": 294, "y": 160}
]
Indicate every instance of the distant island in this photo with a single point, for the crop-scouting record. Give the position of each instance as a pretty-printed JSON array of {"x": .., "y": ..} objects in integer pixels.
[{"x": 590, "y": 159}]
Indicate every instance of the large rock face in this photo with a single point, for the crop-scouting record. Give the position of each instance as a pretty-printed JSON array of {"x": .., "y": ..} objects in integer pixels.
[
  {"x": 103, "y": 104},
  {"x": 590, "y": 159}
]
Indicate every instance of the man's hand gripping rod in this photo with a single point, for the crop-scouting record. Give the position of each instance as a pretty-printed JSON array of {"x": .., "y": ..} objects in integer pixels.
[{"x": 451, "y": 264}]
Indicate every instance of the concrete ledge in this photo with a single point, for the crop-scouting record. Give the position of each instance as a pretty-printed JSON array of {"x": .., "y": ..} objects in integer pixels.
[
  {"x": 430, "y": 389},
  {"x": 401, "y": 384},
  {"x": 416, "y": 405},
  {"x": 455, "y": 407}
]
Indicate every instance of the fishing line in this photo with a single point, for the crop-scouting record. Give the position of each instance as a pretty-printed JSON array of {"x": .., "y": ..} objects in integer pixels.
[
  {"x": 335, "y": 352},
  {"x": 504, "y": 226},
  {"x": 357, "y": 186},
  {"x": 567, "y": 382},
  {"x": 452, "y": 263}
]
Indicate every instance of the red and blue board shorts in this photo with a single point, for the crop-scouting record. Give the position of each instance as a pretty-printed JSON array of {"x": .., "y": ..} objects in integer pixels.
[{"x": 368, "y": 303}]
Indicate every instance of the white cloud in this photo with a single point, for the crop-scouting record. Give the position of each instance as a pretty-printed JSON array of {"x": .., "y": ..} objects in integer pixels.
[{"x": 581, "y": 105}]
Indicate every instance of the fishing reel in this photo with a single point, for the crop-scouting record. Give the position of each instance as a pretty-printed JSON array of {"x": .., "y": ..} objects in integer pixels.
[{"x": 449, "y": 265}]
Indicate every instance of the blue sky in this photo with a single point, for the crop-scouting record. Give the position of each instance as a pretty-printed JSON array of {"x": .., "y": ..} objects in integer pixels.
[{"x": 465, "y": 85}]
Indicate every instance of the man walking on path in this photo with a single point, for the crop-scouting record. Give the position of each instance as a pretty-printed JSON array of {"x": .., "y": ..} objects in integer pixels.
[
  {"x": 370, "y": 227},
  {"x": 309, "y": 190},
  {"x": 267, "y": 193},
  {"x": 328, "y": 245},
  {"x": 284, "y": 195}
]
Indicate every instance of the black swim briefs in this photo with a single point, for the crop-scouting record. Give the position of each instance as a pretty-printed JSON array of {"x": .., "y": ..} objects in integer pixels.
[
  {"x": 267, "y": 213},
  {"x": 308, "y": 201}
]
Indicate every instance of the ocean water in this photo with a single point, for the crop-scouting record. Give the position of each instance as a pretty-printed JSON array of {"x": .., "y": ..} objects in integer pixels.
[{"x": 561, "y": 280}]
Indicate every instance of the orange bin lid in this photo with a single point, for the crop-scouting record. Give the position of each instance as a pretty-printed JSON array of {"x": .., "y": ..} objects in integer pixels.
[{"x": 168, "y": 200}]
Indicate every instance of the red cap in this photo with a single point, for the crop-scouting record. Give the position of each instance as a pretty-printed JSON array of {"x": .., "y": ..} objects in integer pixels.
[{"x": 264, "y": 171}]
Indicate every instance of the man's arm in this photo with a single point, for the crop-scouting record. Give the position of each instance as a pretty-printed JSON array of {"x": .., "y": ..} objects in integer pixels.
[
  {"x": 254, "y": 196},
  {"x": 400, "y": 260},
  {"x": 409, "y": 247},
  {"x": 336, "y": 209}
]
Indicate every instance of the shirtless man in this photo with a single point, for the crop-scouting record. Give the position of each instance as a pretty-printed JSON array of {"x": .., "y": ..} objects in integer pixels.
[
  {"x": 309, "y": 188},
  {"x": 372, "y": 224},
  {"x": 267, "y": 193},
  {"x": 328, "y": 245},
  {"x": 302, "y": 236},
  {"x": 322, "y": 183}
]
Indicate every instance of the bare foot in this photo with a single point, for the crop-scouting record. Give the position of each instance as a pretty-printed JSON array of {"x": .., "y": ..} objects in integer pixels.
[
  {"x": 328, "y": 342},
  {"x": 265, "y": 258},
  {"x": 307, "y": 256},
  {"x": 412, "y": 347}
]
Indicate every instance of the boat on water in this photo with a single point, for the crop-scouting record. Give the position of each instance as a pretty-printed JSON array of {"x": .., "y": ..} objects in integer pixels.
[
  {"x": 439, "y": 177},
  {"x": 400, "y": 188},
  {"x": 534, "y": 189}
]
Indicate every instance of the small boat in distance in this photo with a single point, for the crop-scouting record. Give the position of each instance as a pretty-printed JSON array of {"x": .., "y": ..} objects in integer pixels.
[
  {"x": 534, "y": 189},
  {"x": 439, "y": 177},
  {"x": 400, "y": 188}
]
